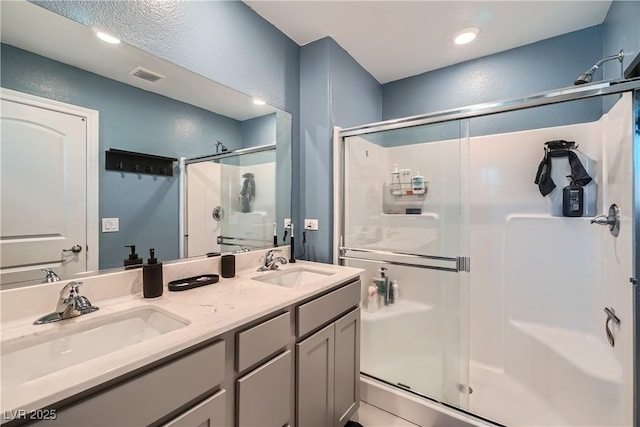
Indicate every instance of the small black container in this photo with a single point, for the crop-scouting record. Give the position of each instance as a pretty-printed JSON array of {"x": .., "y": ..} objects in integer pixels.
[
  {"x": 152, "y": 277},
  {"x": 228, "y": 266},
  {"x": 573, "y": 199}
]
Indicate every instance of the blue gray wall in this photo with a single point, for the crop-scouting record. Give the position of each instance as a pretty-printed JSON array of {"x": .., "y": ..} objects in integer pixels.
[
  {"x": 537, "y": 67},
  {"x": 258, "y": 131},
  {"x": 134, "y": 120},
  {"x": 334, "y": 91},
  {"x": 621, "y": 31}
]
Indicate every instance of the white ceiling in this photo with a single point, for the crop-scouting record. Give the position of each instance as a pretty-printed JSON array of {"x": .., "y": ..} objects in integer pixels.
[
  {"x": 395, "y": 39},
  {"x": 38, "y": 30}
]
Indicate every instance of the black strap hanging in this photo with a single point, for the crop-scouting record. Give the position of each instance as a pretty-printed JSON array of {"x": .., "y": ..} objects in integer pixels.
[{"x": 559, "y": 148}]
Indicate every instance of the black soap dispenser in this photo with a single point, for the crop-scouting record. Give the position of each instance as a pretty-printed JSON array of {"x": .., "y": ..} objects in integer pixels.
[
  {"x": 134, "y": 260},
  {"x": 152, "y": 277},
  {"x": 573, "y": 199}
]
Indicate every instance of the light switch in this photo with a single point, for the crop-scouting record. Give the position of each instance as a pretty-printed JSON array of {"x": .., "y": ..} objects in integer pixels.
[{"x": 110, "y": 225}]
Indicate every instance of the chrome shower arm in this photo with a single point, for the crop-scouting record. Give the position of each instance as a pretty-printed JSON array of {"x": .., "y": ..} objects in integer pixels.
[{"x": 587, "y": 76}]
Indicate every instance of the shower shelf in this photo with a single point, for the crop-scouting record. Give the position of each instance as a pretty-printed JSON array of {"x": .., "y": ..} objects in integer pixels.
[{"x": 405, "y": 190}]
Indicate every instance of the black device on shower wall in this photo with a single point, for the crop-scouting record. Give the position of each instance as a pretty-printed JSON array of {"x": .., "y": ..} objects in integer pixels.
[{"x": 573, "y": 199}]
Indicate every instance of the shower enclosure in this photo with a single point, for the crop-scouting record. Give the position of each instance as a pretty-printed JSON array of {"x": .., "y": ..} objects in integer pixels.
[
  {"x": 230, "y": 201},
  {"x": 503, "y": 308}
]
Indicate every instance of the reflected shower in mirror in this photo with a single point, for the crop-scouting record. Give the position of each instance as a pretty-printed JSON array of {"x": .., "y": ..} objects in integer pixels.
[
  {"x": 230, "y": 201},
  {"x": 181, "y": 115}
]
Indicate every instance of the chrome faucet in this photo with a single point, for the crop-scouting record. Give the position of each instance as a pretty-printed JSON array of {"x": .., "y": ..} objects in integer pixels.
[
  {"x": 51, "y": 276},
  {"x": 70, "y": 304},
  {"x": 271, "y": 262}
]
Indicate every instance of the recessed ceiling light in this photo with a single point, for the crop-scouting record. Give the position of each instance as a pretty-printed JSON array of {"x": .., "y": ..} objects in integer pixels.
[
  {"x": 107, "y": 38},
  {"x": 466, "y": 35},
  {"x": 259, "y": 101}
]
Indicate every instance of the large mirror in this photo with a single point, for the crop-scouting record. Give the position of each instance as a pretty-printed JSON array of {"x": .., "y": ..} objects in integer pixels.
[{"x": 57, "y": 73}]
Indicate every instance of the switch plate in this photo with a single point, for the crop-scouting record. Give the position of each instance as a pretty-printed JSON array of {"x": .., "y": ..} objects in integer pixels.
[
  {"x": 311, "y": 224},
  {"x": 110, "y": 225},
  {"x": 287, "y": 223}
]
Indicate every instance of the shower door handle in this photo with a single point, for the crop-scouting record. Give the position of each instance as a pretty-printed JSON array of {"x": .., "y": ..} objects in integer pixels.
[{"x": 611, "y": 316}]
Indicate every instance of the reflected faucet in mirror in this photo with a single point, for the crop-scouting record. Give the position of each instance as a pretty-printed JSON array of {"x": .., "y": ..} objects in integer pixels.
[{"x": 51, "y": 276}]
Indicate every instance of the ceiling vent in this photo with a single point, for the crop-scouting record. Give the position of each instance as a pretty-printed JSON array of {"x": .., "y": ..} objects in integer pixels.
[{"x": 145, "y": 74}]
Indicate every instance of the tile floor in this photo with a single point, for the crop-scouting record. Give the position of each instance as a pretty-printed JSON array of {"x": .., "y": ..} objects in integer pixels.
[{"x": 371, "y": 416}]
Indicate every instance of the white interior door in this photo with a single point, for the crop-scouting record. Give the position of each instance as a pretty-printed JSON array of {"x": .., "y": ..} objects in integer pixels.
[{"x": 43, "y": 189}]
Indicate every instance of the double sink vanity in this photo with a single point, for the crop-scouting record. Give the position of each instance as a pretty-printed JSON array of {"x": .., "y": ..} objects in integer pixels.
[{"x": 274, "y": 348}]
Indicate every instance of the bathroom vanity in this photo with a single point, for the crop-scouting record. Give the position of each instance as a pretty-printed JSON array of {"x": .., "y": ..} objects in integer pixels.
[{"x": 263, "y": 348}]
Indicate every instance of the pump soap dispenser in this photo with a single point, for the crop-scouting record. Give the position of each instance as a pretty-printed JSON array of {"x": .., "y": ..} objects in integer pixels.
[
  {"x": 152, "y": 277},
  {"x": 134, "y": 260}
]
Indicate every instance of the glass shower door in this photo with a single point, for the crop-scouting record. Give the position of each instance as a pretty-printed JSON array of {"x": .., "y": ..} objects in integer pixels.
[
  {"x": 248, "y": 196},
  {"x": 231, "y": 202},
  {"x": 405, "y": 215}
]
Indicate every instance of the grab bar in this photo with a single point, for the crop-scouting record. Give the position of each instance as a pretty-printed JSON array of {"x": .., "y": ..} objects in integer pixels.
[
  {"x": 402, "y": 264},
  {"x": 462, "y": 263},
  {"x": 405, "y": 254}
]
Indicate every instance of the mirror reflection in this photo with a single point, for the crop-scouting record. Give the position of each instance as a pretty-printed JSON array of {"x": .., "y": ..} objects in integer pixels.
[
  {"x": 231, "y": 201},
  {"x": 109, "y": 92}
]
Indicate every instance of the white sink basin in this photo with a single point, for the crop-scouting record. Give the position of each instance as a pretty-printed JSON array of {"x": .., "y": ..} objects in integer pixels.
[
  {"x": 42, "y": 353},
  {"x": 294, "y": 277}
]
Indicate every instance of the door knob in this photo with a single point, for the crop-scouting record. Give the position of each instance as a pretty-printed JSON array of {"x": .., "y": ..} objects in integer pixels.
[{"x": 76, "y": 249}]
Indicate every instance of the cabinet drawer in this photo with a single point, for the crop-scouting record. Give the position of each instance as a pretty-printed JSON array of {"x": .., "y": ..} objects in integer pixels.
[
  {"x": 264, "y": 394},
  {"x": 316, "y": 313},
  {"x": 263, "y": 340},
  {"x": 151, "y": 395},
  {"x": 210, "y": 413}
]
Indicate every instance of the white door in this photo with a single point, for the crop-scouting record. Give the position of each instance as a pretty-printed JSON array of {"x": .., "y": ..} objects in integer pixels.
[{"x": 43, "y": 192}]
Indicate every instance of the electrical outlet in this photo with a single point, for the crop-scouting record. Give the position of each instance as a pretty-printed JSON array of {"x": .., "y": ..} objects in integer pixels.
[
  {"x": 311, "y": 224},
  {"x": 287, "y": 223}
]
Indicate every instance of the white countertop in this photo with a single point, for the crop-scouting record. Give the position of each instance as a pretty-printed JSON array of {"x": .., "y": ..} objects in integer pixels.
[{"x": 211, "y": 310}]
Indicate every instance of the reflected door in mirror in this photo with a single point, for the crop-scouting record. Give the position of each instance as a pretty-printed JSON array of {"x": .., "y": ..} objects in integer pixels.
[{"x": 43, "y": 192}]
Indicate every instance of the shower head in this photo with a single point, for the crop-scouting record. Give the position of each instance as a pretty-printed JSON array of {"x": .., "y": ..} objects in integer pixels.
[
  {"x": 220, "y": 147},
  {"x": 587, "y": 76}
]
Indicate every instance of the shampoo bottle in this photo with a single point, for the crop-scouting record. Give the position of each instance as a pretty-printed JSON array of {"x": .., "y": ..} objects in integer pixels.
[
  {"x": 152, "y": 277},
  {"x": 383, "y": 286},
  {"x": 417, "y": 184},
  {"x": 372, "y": 301},
  {"x": 572, "y": 199},
  {"x": 396, "y": 290},
  {"x": 396, "y": 189}
]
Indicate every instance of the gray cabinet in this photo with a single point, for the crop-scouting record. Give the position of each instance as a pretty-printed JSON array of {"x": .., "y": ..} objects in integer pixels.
[
  {"x": 347, "y": 367},
  {"x": 210, "y": 413},
  {"x": 315, "y": 379},
  {"x": 328, "y": 370},
  {"x": 149, "y": 396},
  {"x": 264, "y": 394}
]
